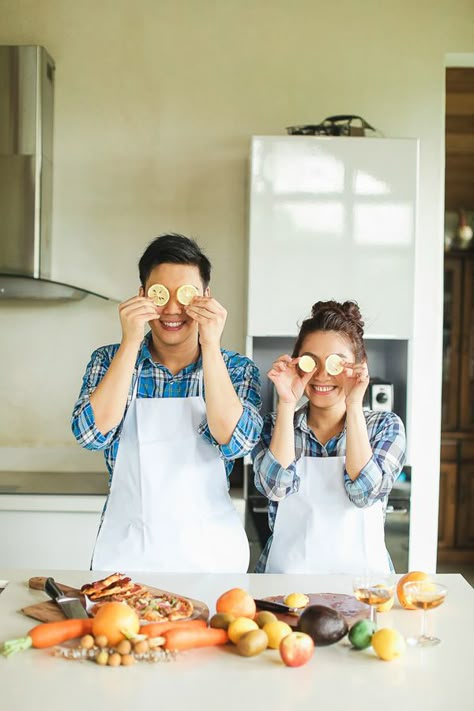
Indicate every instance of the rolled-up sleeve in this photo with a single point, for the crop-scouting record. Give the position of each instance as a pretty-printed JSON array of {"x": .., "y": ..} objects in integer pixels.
[
  {"x": 83, "y": 422},
  {"x": 271, "y": 479},
  {"x": 376, "y": 478},
  {"x": 246, "y": 381}
]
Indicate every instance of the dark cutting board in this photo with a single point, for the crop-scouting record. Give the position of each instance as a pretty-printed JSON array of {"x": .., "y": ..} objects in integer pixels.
[
  {"x": 48, "y": 611},
  {"x": 349, "y": 607}
]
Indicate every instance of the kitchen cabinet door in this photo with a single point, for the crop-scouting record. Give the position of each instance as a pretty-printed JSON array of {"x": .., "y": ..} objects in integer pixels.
[
  {"x": 467, "y": 350},
  {"x": 447, "y": 504},
  {"x": 332, "y": 218},
  {"x": 451, "y": 343},
  {"x": 465, "y": 517}
]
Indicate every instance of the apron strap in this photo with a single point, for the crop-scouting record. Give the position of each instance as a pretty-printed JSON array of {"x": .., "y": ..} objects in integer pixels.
[{"x": 133, "y": 396}]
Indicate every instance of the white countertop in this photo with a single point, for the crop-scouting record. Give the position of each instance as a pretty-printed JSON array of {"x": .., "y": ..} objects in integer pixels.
[{"x": 335, "y": 678}]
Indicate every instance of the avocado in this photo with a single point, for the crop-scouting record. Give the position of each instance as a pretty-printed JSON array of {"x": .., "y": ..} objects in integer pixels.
[{"x": 325, "y": 625}]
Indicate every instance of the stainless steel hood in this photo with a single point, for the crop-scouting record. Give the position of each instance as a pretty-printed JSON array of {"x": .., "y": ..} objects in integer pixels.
[{"x": 26, "y": 162}]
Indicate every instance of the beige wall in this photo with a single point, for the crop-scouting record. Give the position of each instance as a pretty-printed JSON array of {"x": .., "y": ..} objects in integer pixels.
[{"x": 156, "y": 101}]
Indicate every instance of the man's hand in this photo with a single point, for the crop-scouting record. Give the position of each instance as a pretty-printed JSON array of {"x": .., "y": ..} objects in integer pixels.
[
  {"x": 210, "y": 317},
  {"x": 134, "y": 314},
  {"x": 289, "y": 381}
]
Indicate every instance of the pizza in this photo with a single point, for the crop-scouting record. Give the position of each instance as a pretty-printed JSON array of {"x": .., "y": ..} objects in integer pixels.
[{"x": 148, "y": 605}]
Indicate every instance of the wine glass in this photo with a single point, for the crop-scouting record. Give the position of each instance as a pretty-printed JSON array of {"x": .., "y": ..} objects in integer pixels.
[
  {"x": 424, "y": 595},
  {"x": 374, "y": 590}
]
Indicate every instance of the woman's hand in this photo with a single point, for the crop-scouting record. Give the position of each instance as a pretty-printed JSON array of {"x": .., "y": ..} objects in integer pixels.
[
  {"x": 355, "y": 382},
  {"x": 289, "y": 381}
]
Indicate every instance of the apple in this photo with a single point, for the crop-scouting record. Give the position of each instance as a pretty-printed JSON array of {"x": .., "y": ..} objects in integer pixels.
[{"x": 296, "y": 649}]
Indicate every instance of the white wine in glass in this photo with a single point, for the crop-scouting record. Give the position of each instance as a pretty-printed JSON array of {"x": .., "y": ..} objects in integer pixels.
[
  {"x": 424, "y": 595},
  {"x": 373, "y": 590}
]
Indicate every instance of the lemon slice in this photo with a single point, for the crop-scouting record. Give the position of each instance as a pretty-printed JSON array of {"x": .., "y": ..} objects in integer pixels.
[
  {"x": 186, "y": 294},
  {"x": 334, "y": 364},
  {"x": 306, "y": 364},
  {"x": 296, "y": 600},
  {"x": 159, "y": 294}
]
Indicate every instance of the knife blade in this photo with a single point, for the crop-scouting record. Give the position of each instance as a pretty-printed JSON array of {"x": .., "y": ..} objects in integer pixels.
[
  {"x": 277, "y": 607},
  {"x": 69, "y": 604}
]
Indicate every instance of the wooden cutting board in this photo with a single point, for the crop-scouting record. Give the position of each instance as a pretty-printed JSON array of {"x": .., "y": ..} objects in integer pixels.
[
  {"x": 48, "y": 611},
  {"x": 349, "y": 607}
]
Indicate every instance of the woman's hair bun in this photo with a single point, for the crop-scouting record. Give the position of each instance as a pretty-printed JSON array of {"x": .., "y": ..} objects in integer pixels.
[
  {"x": 342, "y": 317},
  {"x": 346, "y": 310}
]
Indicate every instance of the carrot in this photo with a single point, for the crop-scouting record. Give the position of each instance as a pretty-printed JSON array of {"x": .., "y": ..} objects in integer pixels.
[
  {"x": 180, "y": 639},
  {"x": 48, "y": 634},
  {"x": 156, "y": 629}
]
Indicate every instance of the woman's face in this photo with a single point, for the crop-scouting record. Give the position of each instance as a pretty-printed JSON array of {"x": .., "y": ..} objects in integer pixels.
[{"x": 325, "y": 390}]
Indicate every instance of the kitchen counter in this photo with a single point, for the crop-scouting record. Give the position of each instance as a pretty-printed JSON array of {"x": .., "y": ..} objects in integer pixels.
[
  {"x": 55, "y": 483},
  {"x": 335, "y": 678}
]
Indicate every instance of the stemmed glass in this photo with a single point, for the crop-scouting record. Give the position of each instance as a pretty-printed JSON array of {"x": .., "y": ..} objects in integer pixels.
[
  {"x": 424, "y": 595},
  {"x": 374, "y": 590}
]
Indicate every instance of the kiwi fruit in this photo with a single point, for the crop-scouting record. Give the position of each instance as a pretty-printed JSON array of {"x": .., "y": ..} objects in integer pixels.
[
  {"x": 252, "y": 643},
  {"x": 262, "y": 617}
]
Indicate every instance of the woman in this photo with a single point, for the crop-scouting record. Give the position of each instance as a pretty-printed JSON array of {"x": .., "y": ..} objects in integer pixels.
[{"x": 328, "y": 466}]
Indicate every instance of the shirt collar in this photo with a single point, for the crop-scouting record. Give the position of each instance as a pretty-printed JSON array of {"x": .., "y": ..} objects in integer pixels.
[
  {"x": 145, "y": 354},
  {"x": 301, "y": 421}
]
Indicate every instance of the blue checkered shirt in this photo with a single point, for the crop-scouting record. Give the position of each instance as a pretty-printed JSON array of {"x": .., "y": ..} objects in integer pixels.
[
  {"x": 157, "y": 381},
  {"x": 374, "y": 483}
]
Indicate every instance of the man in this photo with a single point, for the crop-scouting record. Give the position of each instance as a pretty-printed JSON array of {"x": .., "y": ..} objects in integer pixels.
[{"x": 171, "y": 412}]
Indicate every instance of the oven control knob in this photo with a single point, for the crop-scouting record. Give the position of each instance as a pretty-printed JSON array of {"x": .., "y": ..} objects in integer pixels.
[{"x": 382, "y": 398}]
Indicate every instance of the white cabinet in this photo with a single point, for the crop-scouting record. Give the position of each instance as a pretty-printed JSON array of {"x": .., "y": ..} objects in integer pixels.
[
  {"x": 332, "y": 217},
  {"x": 48, "y": 532}
]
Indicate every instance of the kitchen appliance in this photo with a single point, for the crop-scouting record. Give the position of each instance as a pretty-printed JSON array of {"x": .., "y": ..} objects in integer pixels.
[
  {"x": 379, "y": 396},
  {"x": 26, "y": 176}
]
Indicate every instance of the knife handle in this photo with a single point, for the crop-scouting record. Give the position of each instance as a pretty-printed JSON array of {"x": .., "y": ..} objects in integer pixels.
[
  {"x": 52, "y": 589},
  {"x": 273, "y": 606}
]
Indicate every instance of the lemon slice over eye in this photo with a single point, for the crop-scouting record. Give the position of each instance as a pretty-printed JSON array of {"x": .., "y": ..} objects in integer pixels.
[
  {"x": 186, "y": 294},
  {"x": 334, "y": 364},
  {"x": 159, "y": 294},
  {"x": 306, "y": 364}
]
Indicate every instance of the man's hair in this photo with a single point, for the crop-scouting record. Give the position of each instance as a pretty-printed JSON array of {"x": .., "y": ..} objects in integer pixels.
[{"x": 174, "y": 249}]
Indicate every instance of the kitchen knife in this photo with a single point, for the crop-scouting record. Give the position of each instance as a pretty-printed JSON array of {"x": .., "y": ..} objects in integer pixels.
[
  {"x": 69, "y": 604},
  {"x": 277, "y": 607}
]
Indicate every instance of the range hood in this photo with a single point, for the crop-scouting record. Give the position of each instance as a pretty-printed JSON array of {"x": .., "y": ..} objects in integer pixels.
[{"x": 26, "y": 151}]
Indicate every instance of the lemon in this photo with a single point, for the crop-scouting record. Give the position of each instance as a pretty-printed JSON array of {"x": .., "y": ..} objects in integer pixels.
[
  {"x": 275, "y": 632},
  {"x": 388, "y": 644},
  {"x": 306, "y": 364},
  {"x": 385, "y": 606},
  {"x": 239, "y": 627},
  {"x": 334, "y": 364},
  {"x": 159, "y": 294},
  {"x": 186, "y": 294},
  {"x": 296, "y": 600}
]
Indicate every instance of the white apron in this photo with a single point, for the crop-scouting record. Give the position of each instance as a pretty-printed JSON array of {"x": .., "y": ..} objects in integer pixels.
[
  {"x": 169, "y": 509},
  {"x": 319, "y": 530}
]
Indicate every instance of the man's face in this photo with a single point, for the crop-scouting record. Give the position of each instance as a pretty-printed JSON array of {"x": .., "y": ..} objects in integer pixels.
[{"x": 174, "y": 327}]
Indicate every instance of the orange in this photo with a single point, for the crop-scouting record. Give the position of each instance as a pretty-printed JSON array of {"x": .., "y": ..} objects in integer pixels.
[
  {"x": 275, "y": 632},
  {"x": 237, "y": 602},
  {"x": 413, "y": 576},
  {"x": 115, "y": 620}
]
